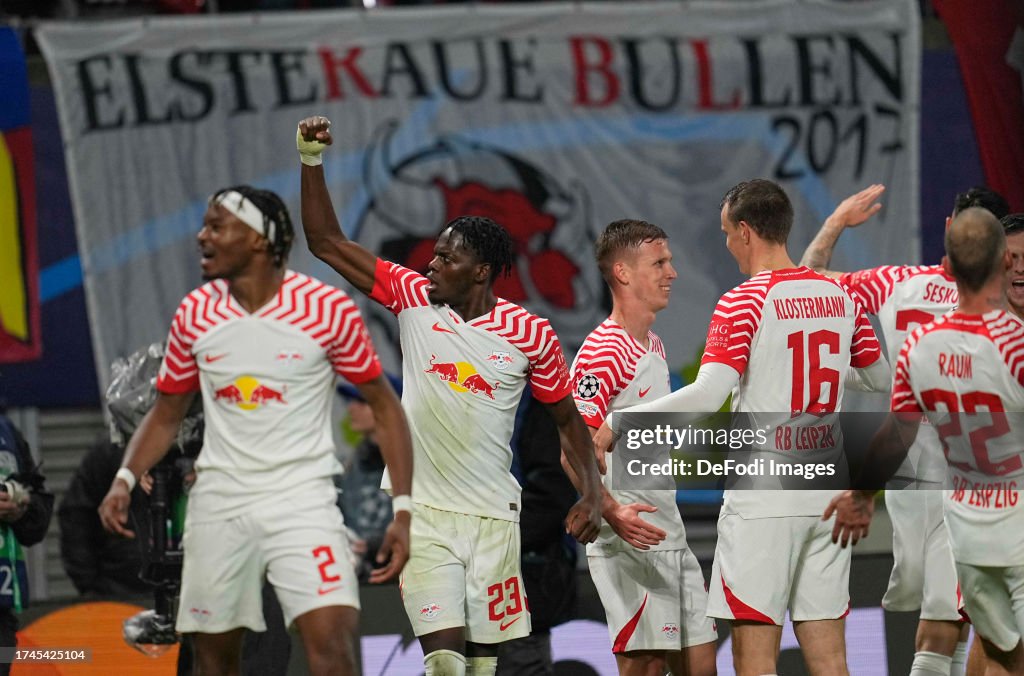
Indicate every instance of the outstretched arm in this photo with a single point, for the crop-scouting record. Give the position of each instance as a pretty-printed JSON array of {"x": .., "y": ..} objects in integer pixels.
[
  {"x": 704, "y": 396},
  {"x": 147, "y": 447},
  {"x": 324, "y": 235},
  {"x": 584, "y": 519},
  {"x": 396, "y": 447},
  {"x": 850, "y": 213}
]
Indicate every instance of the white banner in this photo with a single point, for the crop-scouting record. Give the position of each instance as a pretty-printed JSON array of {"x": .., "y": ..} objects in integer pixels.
[{"x": 554, "y": 119}]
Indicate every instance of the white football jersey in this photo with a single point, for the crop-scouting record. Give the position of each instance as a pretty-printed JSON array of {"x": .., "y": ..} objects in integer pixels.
[
  {"x": 791, "y": 335},
  {"x": 613, "y": 371},
  {"x": 905, "y": 297},
  {"x": 267, "y": 382},
  {"x": 973, "y": 364},
  {"x": 462, "y": 384}
]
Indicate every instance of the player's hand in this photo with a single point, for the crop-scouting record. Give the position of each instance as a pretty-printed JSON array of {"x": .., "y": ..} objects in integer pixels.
[
  {"x": 312, "y": 137},
  {"x": 859, "y": 207},
  {"x": 114, "y": 509},
  {"x": 11, "y": 510},
  {"x": 604, "y": 442},
  {"x": 584, "y": 519},
  {"x": 146, "y": 483},
  {"x": 626, "y": 522},
  {"x": 394, "y": 550},
  {"x": 853, "y": 511}
]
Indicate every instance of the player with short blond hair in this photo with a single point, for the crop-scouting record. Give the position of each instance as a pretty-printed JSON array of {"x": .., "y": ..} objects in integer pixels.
[{"x": 650, "y": 583}]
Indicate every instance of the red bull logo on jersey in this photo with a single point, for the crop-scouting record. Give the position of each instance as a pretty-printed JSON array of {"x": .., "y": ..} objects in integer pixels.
[
  {"x": 248, "y": 394},
  {"x": 461, "y": 376}
]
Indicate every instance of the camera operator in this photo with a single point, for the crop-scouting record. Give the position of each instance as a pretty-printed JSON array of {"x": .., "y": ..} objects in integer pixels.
[
  {"x": 99, "y": 564},
  {"x": 25, "y": 511}
]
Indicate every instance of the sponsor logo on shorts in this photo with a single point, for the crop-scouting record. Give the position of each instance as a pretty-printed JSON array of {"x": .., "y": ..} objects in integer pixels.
[
  {"x": 670, "y": 629},
  {"x": 505, "y": 625},
  {"x": 327, "y": 590},
  {"x": 200, "y": 614},
  {"x": 430, "y": 611}
]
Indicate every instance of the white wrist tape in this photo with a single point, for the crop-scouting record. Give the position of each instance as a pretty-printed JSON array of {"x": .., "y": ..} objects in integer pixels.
[
  {"x": 401, "y": 503},
  {"x": 309, "y": 151},
  {"x": 125, "y": 475}
]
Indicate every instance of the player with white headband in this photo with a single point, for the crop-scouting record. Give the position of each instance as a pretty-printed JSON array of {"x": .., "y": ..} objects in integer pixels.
[{"x": 263, "y": 345}]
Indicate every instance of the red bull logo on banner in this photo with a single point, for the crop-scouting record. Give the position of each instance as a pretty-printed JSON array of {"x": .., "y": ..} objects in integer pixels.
[
  {"x": 461, "y": 376},
  {"x": 248, "y": 394}
]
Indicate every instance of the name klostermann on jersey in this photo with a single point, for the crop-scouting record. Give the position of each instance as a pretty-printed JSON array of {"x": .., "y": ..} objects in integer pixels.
[{"x": 810, "y": 308}]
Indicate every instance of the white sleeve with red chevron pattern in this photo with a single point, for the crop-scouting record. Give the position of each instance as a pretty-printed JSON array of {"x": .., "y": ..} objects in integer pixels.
[
  {"x": 607, "y": 374},
  {"x": 873, "y": 287},
  {"x": 865, "y": 349},
  {"x": 398, "y": 288},
  {"x": 202, "y": 309},
  {"x": 350, "y": 351},
  {"x": 1008, "y": 334},
  {"x": 734, "y": 323}
]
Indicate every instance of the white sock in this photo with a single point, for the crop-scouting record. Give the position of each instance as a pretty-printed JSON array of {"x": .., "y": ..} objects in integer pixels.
[
  {"x": 481, "y": 666},
  {"x": 444, "y": 663},
  {"x": 930, "y": 664},
  {"x": 959, "y": 667}
]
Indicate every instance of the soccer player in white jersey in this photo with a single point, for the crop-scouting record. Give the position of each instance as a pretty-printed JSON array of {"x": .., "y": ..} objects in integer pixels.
[
  {"x": 650, "y": 583},
  {"x": 467, "y": 355},
  {"x": 787, "y": 340},
  {"x": 263, "y": 345},
  {"x": 905, "y": 297},
  {"x": 965, "y": 371},
  {"x": 1013, "y": 227}
]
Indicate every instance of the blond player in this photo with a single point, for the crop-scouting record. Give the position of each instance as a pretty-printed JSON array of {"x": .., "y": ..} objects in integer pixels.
[
  {"x": 965, "y": 371},
  {"x": 650, "y": 583},
  {"x": 787, "y": 340}
]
